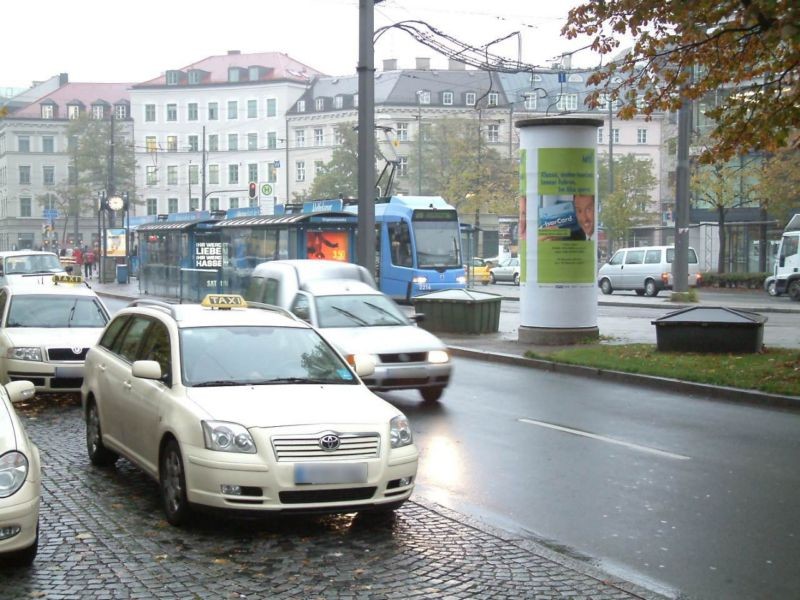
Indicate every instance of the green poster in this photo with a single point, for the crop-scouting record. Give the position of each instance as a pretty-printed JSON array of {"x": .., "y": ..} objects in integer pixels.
[
  {"x": 566, "y": 171},
  {"x": 522, "y": 228}
]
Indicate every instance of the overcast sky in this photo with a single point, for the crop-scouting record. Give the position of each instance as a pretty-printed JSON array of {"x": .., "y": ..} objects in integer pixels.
[{"x": 96, "y": 41}]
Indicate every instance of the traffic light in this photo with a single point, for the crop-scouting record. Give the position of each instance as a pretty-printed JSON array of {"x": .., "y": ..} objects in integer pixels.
[{"x": 252, "y": 191}]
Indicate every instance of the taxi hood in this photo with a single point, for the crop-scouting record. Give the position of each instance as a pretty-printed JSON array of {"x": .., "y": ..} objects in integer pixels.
[
  {"x": 382, "y": 340},
  {"x": 295, "y": 404},
  {"x": 8, "y": 438},
  {"x": 44, "y": 337}
]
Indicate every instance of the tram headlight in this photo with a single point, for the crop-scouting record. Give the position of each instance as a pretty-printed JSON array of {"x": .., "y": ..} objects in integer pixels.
[
  {"x": 419, "y": 280},
  {"x": 461, "y": 279}
]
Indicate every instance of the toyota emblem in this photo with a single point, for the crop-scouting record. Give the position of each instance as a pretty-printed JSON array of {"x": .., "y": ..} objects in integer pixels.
[
  {"x": 77, "y": 350},
  {"x": 329, "y": 442}
]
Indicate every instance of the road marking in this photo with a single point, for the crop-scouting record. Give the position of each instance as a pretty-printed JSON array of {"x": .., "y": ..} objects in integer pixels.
[{"x": 605, "y": 439}]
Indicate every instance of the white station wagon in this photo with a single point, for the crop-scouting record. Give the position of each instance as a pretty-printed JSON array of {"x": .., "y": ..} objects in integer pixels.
[{"x": 242, "y": 409}]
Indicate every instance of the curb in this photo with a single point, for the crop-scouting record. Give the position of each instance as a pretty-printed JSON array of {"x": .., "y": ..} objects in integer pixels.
[{"x": 727, "y": 394}]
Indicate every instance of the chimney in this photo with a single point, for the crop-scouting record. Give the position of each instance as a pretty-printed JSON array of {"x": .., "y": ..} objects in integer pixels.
[
  {"x": 454, "y": 65},
  {"x": 424, "y": 64},
  {"x": 234, "y": 52},
  {"x": 389, "y": 64},
  {"x": 63, "y": 79}
]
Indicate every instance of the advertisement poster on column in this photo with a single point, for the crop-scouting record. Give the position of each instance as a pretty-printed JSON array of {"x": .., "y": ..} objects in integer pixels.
[
  {"x": 566, "y": 216},
  {"x": 115, "y": 242}
]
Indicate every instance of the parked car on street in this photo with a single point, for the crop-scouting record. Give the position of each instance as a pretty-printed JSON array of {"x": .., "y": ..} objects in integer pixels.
[
  {"x": 358, "y": 319},
  {"x": 18, "y": 264},
  {"x": 47, "y": 325},
  {"x": 506, "y": 270},
  {"x": 20, "y": 481},
  {"x": 241, "y": 408},
  {"x": 647, "y": 270},
  {"x": 478, "y": 272}
]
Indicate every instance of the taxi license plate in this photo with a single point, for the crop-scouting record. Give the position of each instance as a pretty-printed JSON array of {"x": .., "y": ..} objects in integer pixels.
[{"x": 324, "y": 473}]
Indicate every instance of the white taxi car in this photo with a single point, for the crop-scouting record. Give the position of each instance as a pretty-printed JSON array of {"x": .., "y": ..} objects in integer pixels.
[
  {"x": 47, "y": 326},
  {"x": 242, "y": 408},
  {"x": 20, "y": 481},
  {"x": 18, "y": 264}
]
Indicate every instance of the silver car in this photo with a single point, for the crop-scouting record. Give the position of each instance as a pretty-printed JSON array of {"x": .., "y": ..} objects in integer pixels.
[{"x": 506, "y": 270}]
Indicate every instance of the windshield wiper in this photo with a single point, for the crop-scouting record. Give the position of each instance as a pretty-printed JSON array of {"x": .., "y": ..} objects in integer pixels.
[
  {"x": 72, "y": 313},
  {"x": 280, "y": 380},
  {"x": 384, "y": 312},
  {"x": 350, "y": 315},
  {"x": 219, "y": 383}
]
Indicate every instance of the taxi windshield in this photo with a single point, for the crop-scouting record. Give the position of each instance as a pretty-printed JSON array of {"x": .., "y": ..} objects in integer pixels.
[
  {"x": 258, "y": 355},
  {"x": 55, "y": 311},
  {"x": 32, "y": 263},
  {"x": 368, "y": 310}
]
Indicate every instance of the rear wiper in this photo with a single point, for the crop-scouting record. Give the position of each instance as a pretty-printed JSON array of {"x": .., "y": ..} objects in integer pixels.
[{"x": 219, "y": 383}]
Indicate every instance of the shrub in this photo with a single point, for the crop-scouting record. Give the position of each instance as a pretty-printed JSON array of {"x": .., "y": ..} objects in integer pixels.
[{"x": 733, "y": 280}]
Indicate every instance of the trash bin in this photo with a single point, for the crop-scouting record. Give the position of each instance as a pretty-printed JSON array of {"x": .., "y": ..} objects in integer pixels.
[
  {"x": 459, "y": 311},
  {"x": 122, "y": 273},
  {"x": 710, "y": 329}
]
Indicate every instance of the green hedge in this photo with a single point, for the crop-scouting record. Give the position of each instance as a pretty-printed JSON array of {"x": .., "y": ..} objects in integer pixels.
[{"x": 734, "y": 280}]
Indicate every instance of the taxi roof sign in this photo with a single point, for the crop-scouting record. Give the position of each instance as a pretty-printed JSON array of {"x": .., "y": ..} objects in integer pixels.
[
  {"x": 67, "y": 279},
  {"x": 224, "y": 301}
]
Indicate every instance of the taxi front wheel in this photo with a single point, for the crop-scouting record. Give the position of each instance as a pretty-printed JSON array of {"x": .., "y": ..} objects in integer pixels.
[
  {"x": 99, "y": 455},
  {"x": 173, "y": 485}
]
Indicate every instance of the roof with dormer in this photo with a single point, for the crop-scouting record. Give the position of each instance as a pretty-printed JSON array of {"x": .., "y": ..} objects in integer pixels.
[{"x": 83, "y": 94}]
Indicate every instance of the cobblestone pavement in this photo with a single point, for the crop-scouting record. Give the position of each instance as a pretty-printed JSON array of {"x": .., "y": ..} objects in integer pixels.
[{"x": 103, "y": 535}]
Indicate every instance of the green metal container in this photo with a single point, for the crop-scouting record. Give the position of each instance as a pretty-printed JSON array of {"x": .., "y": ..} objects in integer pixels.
[{"x": 459, "y": 311}]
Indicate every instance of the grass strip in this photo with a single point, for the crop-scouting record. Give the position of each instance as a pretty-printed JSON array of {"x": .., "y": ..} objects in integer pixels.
[{"x": 774, "y": 370}]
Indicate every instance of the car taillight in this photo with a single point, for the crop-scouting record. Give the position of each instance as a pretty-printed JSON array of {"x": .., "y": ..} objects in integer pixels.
[{"x": 665, "y": 277}]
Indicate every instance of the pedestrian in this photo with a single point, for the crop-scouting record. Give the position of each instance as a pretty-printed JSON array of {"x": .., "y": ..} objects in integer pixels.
[
  {"x": 77, "y": 256},
  {"x": 88, "y": 264}
]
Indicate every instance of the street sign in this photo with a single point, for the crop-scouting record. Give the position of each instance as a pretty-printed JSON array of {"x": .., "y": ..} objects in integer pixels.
[
  {"x": 51, "y": 214},
  {"x": 266, "y": 189},
  {"x": 276, "y": 164}
]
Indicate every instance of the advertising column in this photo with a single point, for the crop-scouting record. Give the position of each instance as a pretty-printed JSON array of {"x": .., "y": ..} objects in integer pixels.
[{"x": 557, "y": 232}]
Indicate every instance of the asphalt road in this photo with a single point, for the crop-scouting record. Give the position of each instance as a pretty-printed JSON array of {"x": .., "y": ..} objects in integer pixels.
[{"x": 687, "y": 496}]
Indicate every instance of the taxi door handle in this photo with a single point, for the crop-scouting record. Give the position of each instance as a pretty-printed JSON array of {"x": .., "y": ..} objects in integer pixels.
[
  {"x": 127, "y": 385},
  {"x": 101, "y": 368}
]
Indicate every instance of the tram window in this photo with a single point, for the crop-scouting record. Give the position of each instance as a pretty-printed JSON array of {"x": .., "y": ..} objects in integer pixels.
[{"x": 401, "y": 244}]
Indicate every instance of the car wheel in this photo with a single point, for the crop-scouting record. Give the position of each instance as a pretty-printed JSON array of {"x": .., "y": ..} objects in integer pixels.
[
  {"x": 492, "y": 278},
  {"x": 26, "y": 556},
  {"x": 605, "y": 287},
  {"x": 516, "y": 278},
  {"x": 639, "y": 292},
  {"x": 172, "y": 481},
  {"x": 99, "y": 455},
  {"x": 793, "y": 290},
  {"x": 772, "y": 288},
  {"x": 650, "y": 288},
  {"x": 431, "y": 394}
]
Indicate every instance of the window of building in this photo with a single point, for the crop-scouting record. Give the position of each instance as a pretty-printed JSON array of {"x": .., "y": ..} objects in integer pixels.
[
  {"x": 299, "y": 137},
  {"x": 233, "y": 74},
  {"x": 530, "y": 101},
  {"x": 319, "y": 166},
  {"x": 319, "y": 104},
  {"x": 213, "y": 174},
  {"x": 213, "y": 143},
  {"x": 493, "y": 133},
  {"x": 272, "y": 140},
  {"x": 301, "y": 106},
  {"x": 599, "y": 135},
  {"x": 194, "y": 203},
  {"x": 47, "y": 111},
  {"x": 24, "y": 206},
  {"x": 272, "y": 107},
  {"x": 213, "y": 203},
  {"x": 150, "y": 143},
  {"x": 48, "y": 143},
  {"x": 191, "y": 111},
  {"x": 173, "y": 77},
  {"x": 73, "y": 112},
  {"x": 194, "y": 174},
  {"x": 172, "y": 143},
  {"x": 402, "y": 166},
  {"x": 233, "y": 141},
  {"x": 423, "y": 96},
  {"x": 447, "y": 98},
  {"x": 151, "y": 175},
  {"x": 233, "y": 203},
  {"x": 641, "y": 136},
  {"x": 120, "y": 111},
  {"x": 172, "y": 112},
  {"x": 252, "y": 109},
  {"x": 98, "y": 112},
  {"x": 233, "y": 109},
  {"x": 567, "y": 102},
  {"x": 48, "y": 175},
  {"x": 272, "y": 172},
  {"x": 319, "y": 136},
  {"x": 172, "y": 205},
  {"x": 469, "y": 98},
  {"x": 252, "y": 172},
  {"x": 338, "y": 102},
  {"x": 233, "y": 173},
  {"x": 172, "y": 175},
  {"x": 300, "y": 170},
  {"x": 402, "y": 132},
  {"x": 252, "y": 141},
  {"x": 493, "y": 99},
  {"x": 213, "y": 111},
  {"x": 23, "y": 143},
  {"x": 25, "y": 174},
  {"x": 150, "y": 112},
  {"x": 152, "y": 206},
  {"x": 615, "y": 135},
  {"x": 194, "y": 143}
]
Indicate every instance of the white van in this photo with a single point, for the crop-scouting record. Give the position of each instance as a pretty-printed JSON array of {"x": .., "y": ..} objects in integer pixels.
[
  {"x": 647, "y": 270},
  {"x": 16, "y": 264}
]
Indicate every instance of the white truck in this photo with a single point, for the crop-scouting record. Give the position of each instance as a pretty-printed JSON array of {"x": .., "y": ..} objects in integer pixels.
[{"x": 786, "y": 276}]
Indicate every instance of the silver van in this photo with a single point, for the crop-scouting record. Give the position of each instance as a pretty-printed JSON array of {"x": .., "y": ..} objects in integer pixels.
[{"x": 647, "y": 270}]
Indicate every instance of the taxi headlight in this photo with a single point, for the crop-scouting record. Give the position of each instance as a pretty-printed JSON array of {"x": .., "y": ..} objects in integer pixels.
[
  {"x": 419, "y": 279},
  {"x": 438, "y": 357},
  {"x": 227, "y": 437},
  {"x": 400, "y": 432},
  {"x": 24, "y": 353},
  {"x": 13, "y": 472},
  {"x": 461, "y": 279}
]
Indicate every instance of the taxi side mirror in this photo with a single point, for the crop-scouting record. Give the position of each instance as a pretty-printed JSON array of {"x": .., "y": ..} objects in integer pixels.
[
  {"x": 19, "y": 391},
  {"x": 364, "y": 365},
  {"x": 146, "y": 369}
]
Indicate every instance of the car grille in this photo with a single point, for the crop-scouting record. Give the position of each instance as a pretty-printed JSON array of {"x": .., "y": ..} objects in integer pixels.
[
  {"x": 61, "y": 354},
  {"x": 404, "y": 357},
  {"x": 344, "y": 495},
  {"x": 301, "y": 447},
  {"x": 61, "y": 383}
]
